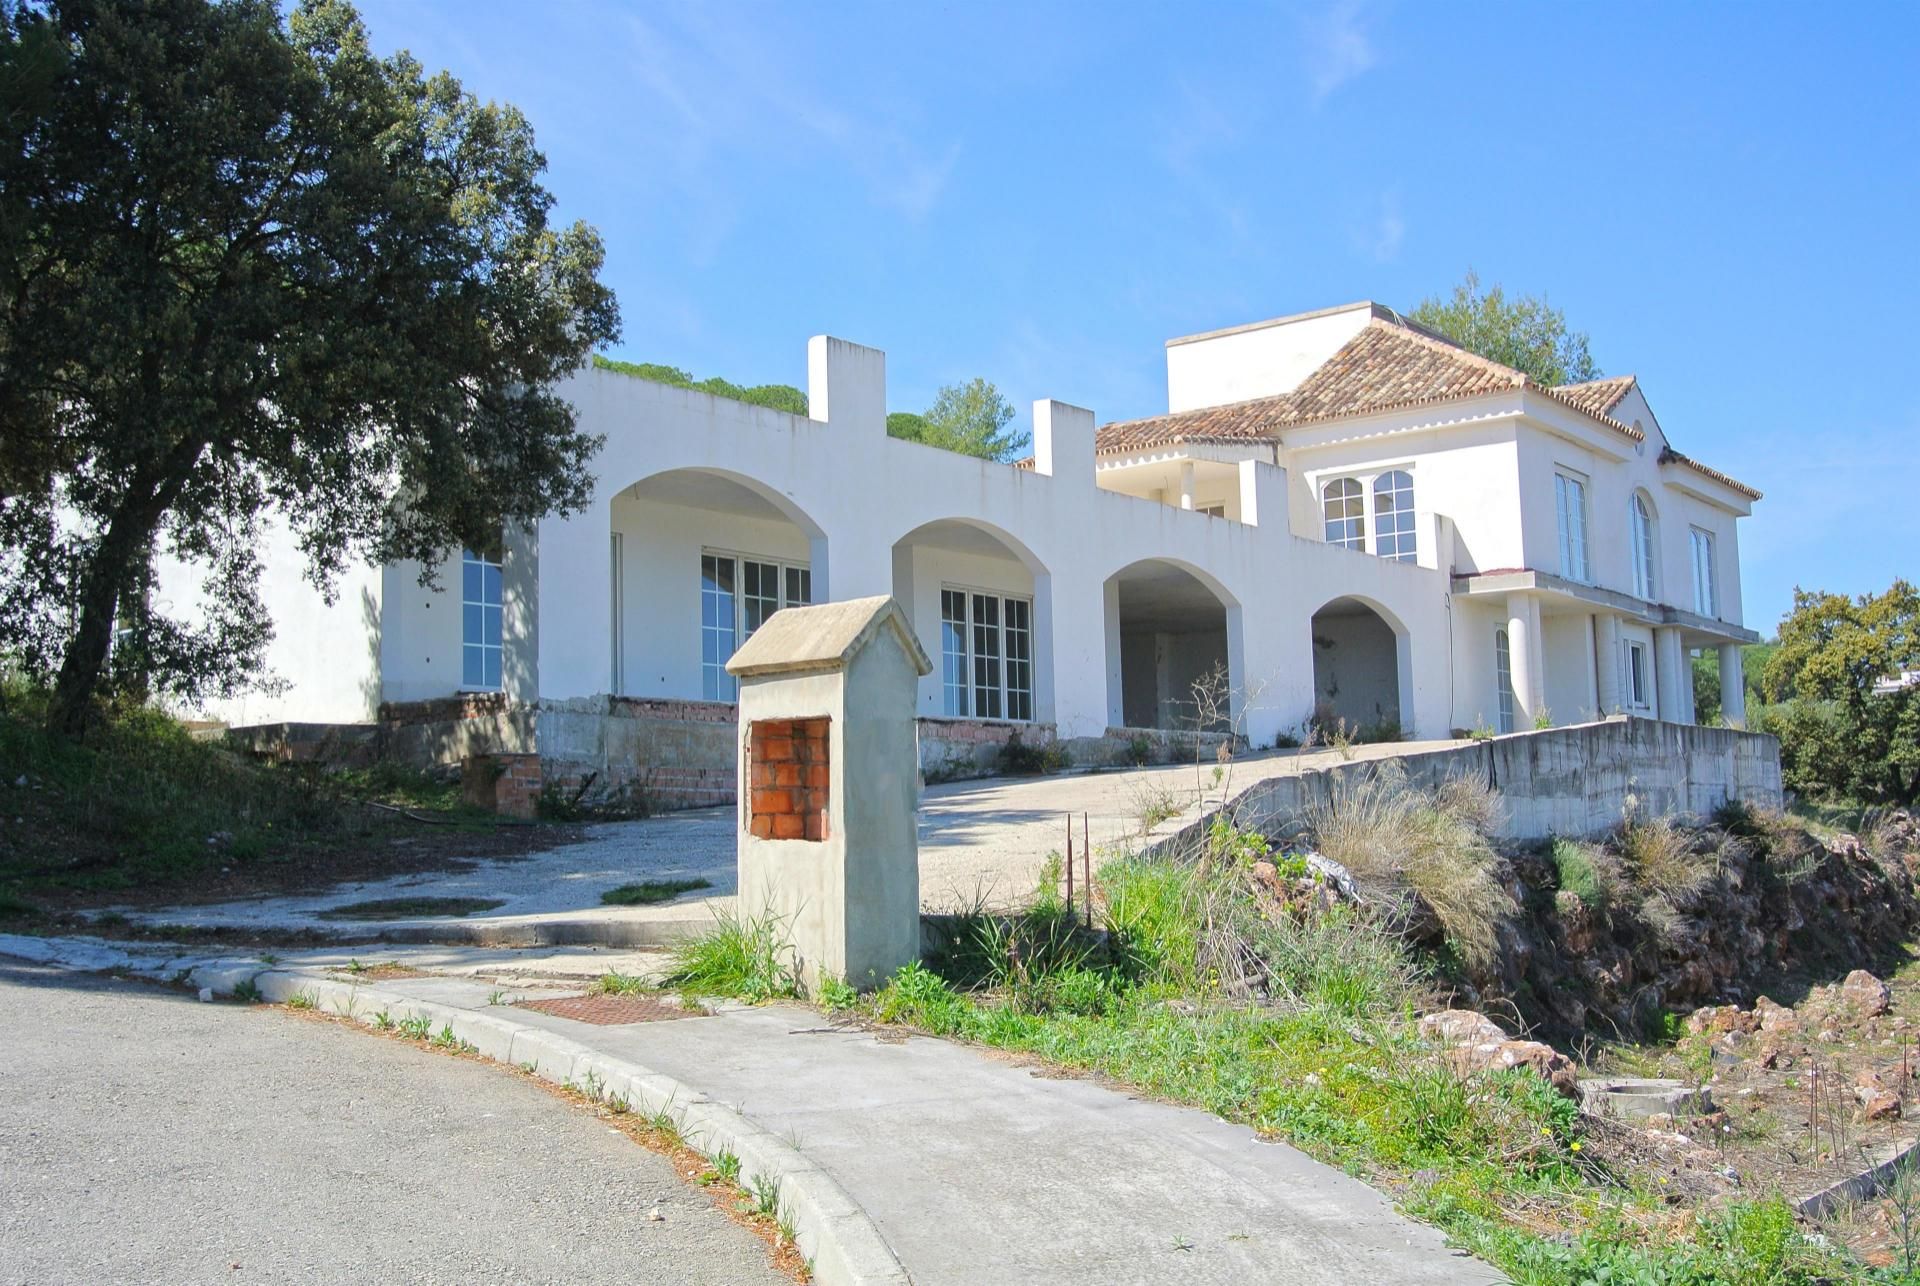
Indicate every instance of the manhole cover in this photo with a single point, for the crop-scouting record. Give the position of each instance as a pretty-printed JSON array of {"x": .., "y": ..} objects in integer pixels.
[{"x": 610, "y": 1011}]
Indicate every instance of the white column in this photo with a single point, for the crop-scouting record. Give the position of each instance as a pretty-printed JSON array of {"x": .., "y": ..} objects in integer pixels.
[
  {"x": 1733, "y": 685},
  {"x": 1606, "y": 661},
  {"x": 1186, "y": 485},
  {"x": 1670, "y": 675},
  {"x": 1527, "y": 660},
  {"x": 1077, "y": 651}
]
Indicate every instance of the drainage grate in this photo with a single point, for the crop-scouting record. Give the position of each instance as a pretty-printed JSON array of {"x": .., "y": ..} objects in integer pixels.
[{"x": 610, "y": 1011}]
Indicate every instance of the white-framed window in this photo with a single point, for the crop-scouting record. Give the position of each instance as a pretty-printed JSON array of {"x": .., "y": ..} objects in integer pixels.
[
  {"x": 1638, "y": 678},
  {"x": 1393, "y": 535},
  {"x": 1346, "y": 513},
  {"x": 1706, "y": 591},
  {"x": 1640, "y": 534},
  {"x": 480, "y": 634},
  {"x": 1503, "y": 677},
  {"x": 1570, "y": 511},
  {"x": 986, "y": 654},
  {"x": 738, "y": 592}
]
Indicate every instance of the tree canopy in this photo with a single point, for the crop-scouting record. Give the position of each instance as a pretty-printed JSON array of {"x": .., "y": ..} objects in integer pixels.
[
  {"x": 781, "y": 397},
  {"x": 1525, "y": 333},
  {"x": 250, "y": 271},
  {"x": 1839, "y": 735},
  {"x": 970, "y": 418}
]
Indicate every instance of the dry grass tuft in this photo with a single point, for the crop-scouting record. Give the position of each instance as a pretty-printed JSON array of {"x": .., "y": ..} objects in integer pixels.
[
  {"x": 1432, "y": 846},
  {"x": 1665, "y": 861}
]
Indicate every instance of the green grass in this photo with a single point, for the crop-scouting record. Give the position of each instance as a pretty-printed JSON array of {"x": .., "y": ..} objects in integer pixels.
[
  {"x": 748, "y": 958},
  {"x": 1302, "y": 1028},
  {"x": 142, "y": 802},
  {"x": 649, "y": 892},
  {"x": 408, "y": 908}
]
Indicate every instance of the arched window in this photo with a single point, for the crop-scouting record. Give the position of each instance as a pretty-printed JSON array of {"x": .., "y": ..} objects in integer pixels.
[
  {"x": 1640, "y": 530},
  {"x": 1346, "y": 513},
  {"x": 1393, "y": 517}
]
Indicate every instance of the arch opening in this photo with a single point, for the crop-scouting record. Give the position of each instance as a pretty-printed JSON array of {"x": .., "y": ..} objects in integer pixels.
[
  {"x": 1174, "y": 631},
  {"x": 1361, "y": 671},
  {"x": 981, "y": 603},
  {"x": 699, "y": 559}
]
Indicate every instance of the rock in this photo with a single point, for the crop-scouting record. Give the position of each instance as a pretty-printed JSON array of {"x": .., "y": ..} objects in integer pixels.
[
  {"x": 1460, "y": 1027},
  {"x": 657, "y": 1215},
  {"x": 1544, "y": 1061},
  {"x": 206, "y": 994},
  {"x": 1865, "y": 994},
  {"x": 1883, "y": 1105},
  {"x": 1720, "y": 1018},
  {"x": 20, "y": 782},
  {"x": 1774, "y": 1017}
]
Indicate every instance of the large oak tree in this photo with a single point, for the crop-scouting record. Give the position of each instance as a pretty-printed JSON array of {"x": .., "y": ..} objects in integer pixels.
[{"x": 251, "y": 272}]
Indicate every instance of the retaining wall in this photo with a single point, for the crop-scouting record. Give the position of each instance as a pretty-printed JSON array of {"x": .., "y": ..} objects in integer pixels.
[{"x": 1573, "y": 781}]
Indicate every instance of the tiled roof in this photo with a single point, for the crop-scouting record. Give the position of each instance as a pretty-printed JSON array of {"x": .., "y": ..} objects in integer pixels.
[
  {"x": 1670, "y": 456},
  {"x": 1596, "y": 397},
  {"x": 1388, "y": 365}
]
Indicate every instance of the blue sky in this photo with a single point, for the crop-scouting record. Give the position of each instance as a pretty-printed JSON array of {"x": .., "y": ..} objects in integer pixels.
[{"x": 1726, "y": 198}]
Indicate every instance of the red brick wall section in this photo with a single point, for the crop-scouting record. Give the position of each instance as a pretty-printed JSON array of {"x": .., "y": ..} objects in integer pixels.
[
  {"x": 505, "y": 784},
  {"x": 790, "y": 774}
]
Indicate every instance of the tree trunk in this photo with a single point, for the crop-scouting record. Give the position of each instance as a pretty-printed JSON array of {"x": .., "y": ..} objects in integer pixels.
[
  {"x": 86, "y": 653},
  {"x": 127, "y": 542}
]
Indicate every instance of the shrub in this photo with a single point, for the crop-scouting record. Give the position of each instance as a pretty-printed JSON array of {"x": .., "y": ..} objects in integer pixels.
[
  {"x": 1017, "y": 759},
  {"x": 1430, "y": 845},
  {"x": 1139, "y": 749}
]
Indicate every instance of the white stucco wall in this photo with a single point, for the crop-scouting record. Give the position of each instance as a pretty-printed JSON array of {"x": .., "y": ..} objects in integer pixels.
[
  {"x": 863, "y": 492},
  {"x": 1258, "y": 360},
  {"x": 328, "y": 653}
]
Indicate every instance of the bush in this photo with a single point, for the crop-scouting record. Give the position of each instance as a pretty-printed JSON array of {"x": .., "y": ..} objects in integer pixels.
[
  {"x": 1432, "y": 846},
  {"x": 1017, "y": 759}
]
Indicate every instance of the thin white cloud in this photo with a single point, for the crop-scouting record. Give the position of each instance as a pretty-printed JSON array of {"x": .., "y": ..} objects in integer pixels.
[
  {"x": 1380, "y": 235},
  {"x": 1338, "y": 48},
  {"x": 729, "y": 88}
]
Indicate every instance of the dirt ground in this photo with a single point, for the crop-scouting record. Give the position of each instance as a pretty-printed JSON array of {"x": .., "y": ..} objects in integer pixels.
[{"x": 1802, "y": 1097}]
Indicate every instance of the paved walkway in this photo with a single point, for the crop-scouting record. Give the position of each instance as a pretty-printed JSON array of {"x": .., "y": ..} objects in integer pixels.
[
  {"x": 147, "y": 1138},
  {"x": 972, "y": 1168},
  {"x": 980, "y": 841}
]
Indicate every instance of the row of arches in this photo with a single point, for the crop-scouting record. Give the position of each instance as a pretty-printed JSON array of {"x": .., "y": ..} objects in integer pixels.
[{"x": 980, "y": 599}]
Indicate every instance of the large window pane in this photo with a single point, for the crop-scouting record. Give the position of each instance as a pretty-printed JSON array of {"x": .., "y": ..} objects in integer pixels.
[
  {"x": 1393, "y": 522},
  {"x": 953, "y": 651},
  {"x": 986, "y": 656},
  {"x": 1019, "y": 634},
  {"x": 1345, "y": 513},
  {"x": 1503, "y": 677},
  {"x": 480, "y": 628},
  {"x": 759, "y": 595},
  {"x": 717, "y": 626}
]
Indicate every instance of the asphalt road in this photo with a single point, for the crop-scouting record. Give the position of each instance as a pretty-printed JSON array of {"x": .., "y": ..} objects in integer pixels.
[{"x": 146, "y": 1137}]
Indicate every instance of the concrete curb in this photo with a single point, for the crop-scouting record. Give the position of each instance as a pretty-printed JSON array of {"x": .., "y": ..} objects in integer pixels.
[{"x": 832, "y": 1231}]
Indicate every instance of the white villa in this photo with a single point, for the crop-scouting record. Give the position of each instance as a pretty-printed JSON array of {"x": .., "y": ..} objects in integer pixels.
[{"x": 1351, "y": 515}]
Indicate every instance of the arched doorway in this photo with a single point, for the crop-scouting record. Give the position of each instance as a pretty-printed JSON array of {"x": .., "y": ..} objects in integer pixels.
[
  {"x": 1362, "y": 670},
  {"x": 980, "y": 601},
  {"x": 700, "y": 558},
  {"x": 1179, "y": 654}
]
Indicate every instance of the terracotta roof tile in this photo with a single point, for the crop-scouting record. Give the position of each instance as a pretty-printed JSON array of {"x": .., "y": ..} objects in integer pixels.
[
  {"x": 1670, "y": 456},
  {"x": 1596, "y": 397},
  {"x": 1386, "y": 366}
]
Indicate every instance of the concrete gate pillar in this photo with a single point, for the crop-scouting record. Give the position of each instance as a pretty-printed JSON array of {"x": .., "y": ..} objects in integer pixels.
[{"x": 828, "y": 783}]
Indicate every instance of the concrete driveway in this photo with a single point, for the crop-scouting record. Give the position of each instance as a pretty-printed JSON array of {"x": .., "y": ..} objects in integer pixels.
[{"x": 980, "y": 842}]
